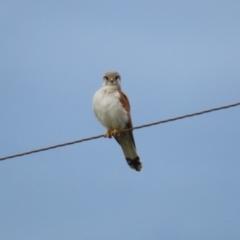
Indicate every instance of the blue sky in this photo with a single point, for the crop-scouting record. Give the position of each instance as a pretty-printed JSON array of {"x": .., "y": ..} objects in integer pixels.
[{"x": 175, "y": 57}]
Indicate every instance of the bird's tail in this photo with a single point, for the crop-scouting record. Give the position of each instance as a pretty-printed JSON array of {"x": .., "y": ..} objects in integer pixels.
[
  {"x": 134, "y": 163},
  {"x": 126, "y": 141}
]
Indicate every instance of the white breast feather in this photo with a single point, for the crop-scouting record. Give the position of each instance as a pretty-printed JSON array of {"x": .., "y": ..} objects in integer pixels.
[{"x": 108, "y": 108}]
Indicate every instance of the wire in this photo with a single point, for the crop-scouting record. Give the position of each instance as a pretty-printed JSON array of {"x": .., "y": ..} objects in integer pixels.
[{"x": 138, "y": 127}]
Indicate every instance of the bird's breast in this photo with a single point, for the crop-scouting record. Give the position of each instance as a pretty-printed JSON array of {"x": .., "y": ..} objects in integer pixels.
[{"x": 108, "y": 109}]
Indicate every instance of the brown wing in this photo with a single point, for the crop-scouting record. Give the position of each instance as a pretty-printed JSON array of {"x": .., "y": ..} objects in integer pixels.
[
  {"x": 125, "y": 103},
  {"x": 126, "y": 139}
]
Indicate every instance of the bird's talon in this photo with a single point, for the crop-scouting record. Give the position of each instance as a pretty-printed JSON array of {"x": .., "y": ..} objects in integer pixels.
[
  {"x": 115, "y": 133},
  {"x": 108, "y": 134}
]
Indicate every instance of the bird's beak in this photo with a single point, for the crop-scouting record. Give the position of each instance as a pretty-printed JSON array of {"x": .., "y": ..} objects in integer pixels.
[{"x": 111, "y": 79}]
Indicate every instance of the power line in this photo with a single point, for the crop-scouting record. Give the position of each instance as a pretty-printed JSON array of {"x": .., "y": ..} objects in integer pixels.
[{"x": 138, "y": 127}]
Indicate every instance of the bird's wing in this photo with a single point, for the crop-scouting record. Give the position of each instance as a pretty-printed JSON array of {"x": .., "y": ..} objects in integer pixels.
[{"x": 126, "y": 139}]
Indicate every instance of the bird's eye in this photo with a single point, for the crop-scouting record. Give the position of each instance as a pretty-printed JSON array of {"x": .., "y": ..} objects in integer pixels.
[
  {"x": 106, "y": 78},
  {"x": 117, "y": 77}
]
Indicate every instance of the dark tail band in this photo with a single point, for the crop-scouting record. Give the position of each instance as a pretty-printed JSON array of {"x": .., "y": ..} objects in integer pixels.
[{"x": 134, "y": 163}]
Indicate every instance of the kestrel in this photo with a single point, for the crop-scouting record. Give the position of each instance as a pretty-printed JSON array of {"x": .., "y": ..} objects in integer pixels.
[{"x": 112, "y": 109}]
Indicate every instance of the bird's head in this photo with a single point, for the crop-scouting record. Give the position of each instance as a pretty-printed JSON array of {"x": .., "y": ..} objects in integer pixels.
[{"x": 112, "y": 78}]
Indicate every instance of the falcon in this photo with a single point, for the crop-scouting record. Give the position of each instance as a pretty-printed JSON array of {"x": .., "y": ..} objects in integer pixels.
[{"x": 112, "y": 109}]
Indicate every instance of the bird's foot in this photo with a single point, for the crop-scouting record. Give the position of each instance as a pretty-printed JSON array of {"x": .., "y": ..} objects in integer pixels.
[
  {"x": 115, "y": 133},
  {"x": 108, "y": 134}
]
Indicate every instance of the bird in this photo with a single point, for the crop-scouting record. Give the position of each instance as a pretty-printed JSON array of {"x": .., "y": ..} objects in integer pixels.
[{"x": 112, "y": 109}]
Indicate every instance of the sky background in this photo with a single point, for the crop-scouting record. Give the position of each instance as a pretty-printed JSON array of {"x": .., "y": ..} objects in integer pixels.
[{"x": 175, "y": 57}]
